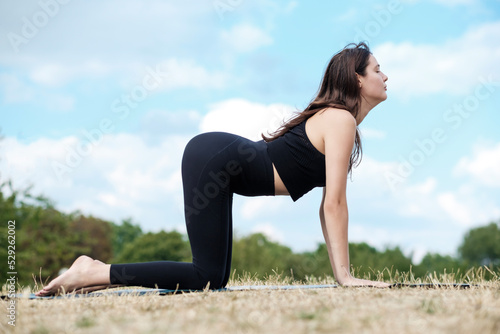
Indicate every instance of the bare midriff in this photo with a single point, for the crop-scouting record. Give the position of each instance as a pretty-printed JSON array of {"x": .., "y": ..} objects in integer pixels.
[{"x": 279, "y": 186}]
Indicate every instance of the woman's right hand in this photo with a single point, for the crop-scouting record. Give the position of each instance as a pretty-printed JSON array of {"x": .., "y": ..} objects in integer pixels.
[{"x": 357, "y": 282}]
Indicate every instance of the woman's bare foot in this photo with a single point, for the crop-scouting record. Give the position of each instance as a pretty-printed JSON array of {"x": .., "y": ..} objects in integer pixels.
[{"x": 84, "y": 273}]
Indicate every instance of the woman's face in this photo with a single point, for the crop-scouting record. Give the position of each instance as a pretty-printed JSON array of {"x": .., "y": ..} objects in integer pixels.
[{"x": 373, "y": 86}]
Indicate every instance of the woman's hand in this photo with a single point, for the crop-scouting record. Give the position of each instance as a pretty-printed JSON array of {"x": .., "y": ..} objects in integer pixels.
[{"x": 353, "y": 282}]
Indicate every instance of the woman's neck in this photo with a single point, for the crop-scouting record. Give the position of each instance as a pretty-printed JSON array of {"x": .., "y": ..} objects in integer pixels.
[{"x": 364, "y": 109}]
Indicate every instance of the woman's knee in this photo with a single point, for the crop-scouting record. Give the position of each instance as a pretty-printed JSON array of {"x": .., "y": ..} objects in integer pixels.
[{"x": 213, "y": 280}]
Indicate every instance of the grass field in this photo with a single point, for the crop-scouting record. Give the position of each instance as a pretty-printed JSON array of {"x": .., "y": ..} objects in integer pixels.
[{"x": 334, "y": 310}]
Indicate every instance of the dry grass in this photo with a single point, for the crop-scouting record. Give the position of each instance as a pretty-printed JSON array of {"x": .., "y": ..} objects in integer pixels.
[{"x": 338, "y": 310}]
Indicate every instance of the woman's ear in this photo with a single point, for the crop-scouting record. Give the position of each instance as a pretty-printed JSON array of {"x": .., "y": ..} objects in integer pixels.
[{"x": 360, "y": 82}]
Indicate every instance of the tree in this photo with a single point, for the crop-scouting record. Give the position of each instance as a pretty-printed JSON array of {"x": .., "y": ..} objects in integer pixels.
[
  {"x": 45, "y": 242},
  {"x": 258, "y": 256},
  {"x": 92, "y": 236},
  {"x": 394, "y": 259},
  {"x": 438, "y": 263},
  {"x": 367, "y": 262},
  {"x": 42, "y": 236},
  {"x": 161, "y": 246},
  {"x": 124, "y": 234},
  {"x": 481, "y": 246},
  {"x": 313, "y": 264}
]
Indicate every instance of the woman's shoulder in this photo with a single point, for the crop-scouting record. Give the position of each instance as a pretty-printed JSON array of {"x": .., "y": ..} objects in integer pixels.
[
  {"x": 338, "y": 117},
  {"x": 332, "y": 120},
  {"x": 332, "y": 124}
]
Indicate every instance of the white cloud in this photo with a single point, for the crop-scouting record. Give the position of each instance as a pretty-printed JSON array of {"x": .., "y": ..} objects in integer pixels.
[
  {"x": 470, "y": 206},
  {"x": 483, "y": 166},
  {"x": 60, "y": 102},
  {"x": 121, "y": 38},
  {"x": 419, "y": 216},
  {"x": 116, "y": 27},
  {"x": 245, "y": 38},
  {"x": 245, "y": 118},
  {"x": 456, "y": 210},
  {"x": 372, "y": 172},
  {"x": 252, "y": 207},
  {"x": 51, "y": 74},
  {"x": 270, "y": 231},
  {"x": 166, "y": 74},
  {"x": 425, "y": 188},
  {"x": 453, "y": 67},
  {"x": 417, "y": 200},
  {"x": 475, "y": 199},
  {"x": 465, "y": 205},
  {"x": 57, "y": 74},
  {"x": 407, "y": 200},
  {"x": 257, "y": 207},
  {"x": 453, "y": 3},
  {"x": 348, "y": 15},
  {"x": 447, "y": 3},
  {"x": 14, "y": 89},
  {"x": 185, "y": 73},
  {"x": 291, "y": 6},
  {"x": 374, "y": 236},
  {"x": 158, "y": 124},
  {"x": 119, "y": 176},
  {"x": 373, "y": 133}
]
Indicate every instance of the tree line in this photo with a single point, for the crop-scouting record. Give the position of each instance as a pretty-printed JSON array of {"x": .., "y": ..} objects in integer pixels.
[{"x": 47, "y": 240}]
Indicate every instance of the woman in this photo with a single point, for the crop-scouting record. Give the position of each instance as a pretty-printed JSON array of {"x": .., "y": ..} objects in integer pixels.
[{"x": 318, "y": 147}]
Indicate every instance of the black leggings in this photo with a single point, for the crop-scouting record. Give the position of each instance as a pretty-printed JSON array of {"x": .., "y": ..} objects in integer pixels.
[{"x": 214, "y": 166}]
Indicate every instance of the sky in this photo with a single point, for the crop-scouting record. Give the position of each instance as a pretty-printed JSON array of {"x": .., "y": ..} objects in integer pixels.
[{"x": 99, "y": 98}]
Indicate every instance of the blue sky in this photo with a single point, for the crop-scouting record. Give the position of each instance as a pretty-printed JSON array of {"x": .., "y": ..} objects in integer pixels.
[{"x": 99, "y": 98}]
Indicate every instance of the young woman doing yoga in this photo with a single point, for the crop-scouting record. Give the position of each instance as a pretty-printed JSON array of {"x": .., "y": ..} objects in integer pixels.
[{"x": 317, "y": 148}]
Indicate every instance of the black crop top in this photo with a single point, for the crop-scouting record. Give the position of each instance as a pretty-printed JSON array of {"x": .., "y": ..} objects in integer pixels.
[{"x": 299, "y": 164}]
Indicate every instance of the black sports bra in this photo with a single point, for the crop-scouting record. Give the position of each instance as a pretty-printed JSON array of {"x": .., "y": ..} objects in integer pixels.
[{"x": 299, "y": 164}]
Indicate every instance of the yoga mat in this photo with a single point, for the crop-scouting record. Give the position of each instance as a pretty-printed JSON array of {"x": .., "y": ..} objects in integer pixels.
[
  {"x": 432, "y": 285},
  {"x": 163, "y": 292}
]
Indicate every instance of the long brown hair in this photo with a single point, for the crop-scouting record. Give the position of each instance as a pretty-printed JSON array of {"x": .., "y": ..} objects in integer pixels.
[{"x": 339, "y": 89}]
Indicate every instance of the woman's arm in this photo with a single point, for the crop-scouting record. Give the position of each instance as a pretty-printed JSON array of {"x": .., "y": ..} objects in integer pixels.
[
  {"x": 339, "y": 136},
  {"x": 335, "y": 233},
  {"x": 336, "y": 238}
]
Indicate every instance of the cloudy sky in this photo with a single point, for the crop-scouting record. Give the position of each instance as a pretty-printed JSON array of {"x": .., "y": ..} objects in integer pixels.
[{"x": 99, "y": 98}]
